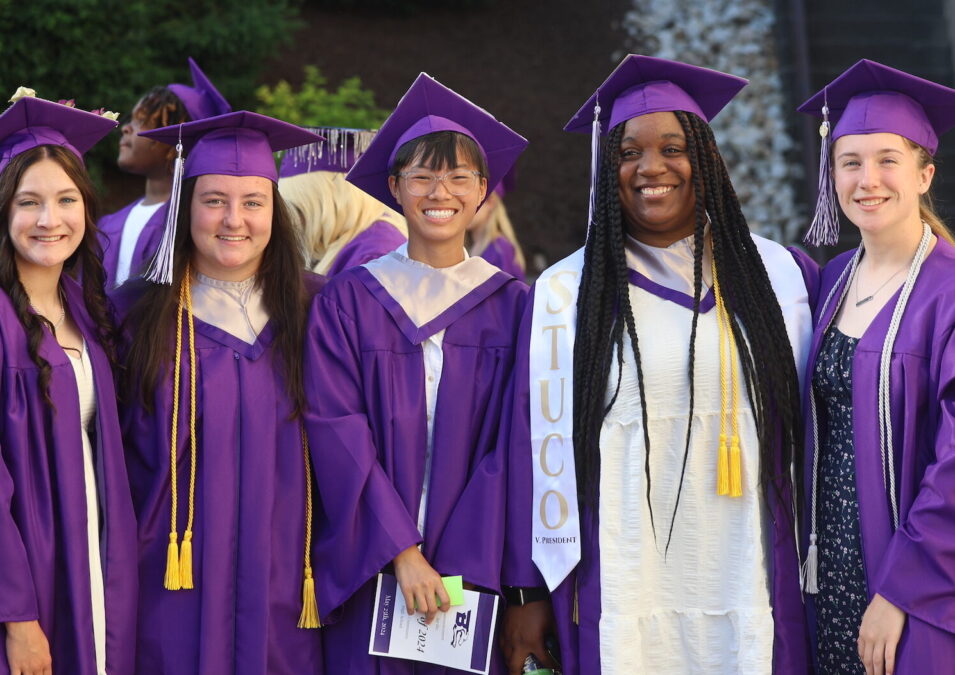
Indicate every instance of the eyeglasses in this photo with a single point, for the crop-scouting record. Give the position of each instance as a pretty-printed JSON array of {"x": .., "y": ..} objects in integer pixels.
[{"x": 458, "y": 182}]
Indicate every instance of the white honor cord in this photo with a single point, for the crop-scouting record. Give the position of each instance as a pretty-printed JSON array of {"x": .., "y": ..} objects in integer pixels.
[
  {"x": 810, "y": 569},
  {"x": 885, "y": 366}
]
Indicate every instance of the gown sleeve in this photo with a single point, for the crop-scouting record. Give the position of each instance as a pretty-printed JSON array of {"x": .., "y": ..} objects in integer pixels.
[
  {"x": 518, "y": 568},
  {"x": 18, "y": 600},
  {"x": 364, "y": 523},
  {"x": 917, "y": 573}
]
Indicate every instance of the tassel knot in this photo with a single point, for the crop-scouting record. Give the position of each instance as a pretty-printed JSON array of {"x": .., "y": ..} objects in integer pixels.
[{"x": 809, "y": 576}]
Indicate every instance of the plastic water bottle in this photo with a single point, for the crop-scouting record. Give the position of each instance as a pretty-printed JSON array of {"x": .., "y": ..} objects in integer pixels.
[{"x": 534, "y": 667}]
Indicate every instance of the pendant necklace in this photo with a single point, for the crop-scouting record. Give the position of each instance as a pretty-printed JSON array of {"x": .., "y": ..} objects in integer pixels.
[{"x": 862, "y": 301}]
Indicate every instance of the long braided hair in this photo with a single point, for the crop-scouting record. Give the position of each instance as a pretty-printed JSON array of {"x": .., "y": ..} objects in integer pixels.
[
  {"x": 86, "y": 261},
  {"x": 604, "y": 313}
]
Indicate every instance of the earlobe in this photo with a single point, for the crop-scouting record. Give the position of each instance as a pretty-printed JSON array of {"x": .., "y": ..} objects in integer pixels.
[
  {"x": 393, "y": 187},
  {"x": 927, "y": 175}
]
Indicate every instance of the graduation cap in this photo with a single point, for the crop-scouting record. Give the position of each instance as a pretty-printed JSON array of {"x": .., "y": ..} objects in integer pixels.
[
  {"x": 645, "y": 84},
  {"x": 338, "y": 151},
  {"x": 31, "y": 122},
  {"x": 507, "y": 184},
  {"x": 871, "y": 98},
  {"x": 202, "y": 99},
  {"x": 235, "y": 144},
  {"x": 428, "y": 107}
]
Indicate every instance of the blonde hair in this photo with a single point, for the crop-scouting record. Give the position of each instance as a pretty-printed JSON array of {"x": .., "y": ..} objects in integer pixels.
[
  {"x": 926, "y": 205},
  {"x": 497, "y": 224},
  {"x": 329, "y": 212}
]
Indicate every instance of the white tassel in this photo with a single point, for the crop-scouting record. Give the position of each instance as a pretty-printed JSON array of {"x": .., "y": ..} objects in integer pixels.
[
  {"x": 825, "y": 222},
  {"x": 594, "y": 165},
  {"x": 161, "y": 266},
  {"x": 809, "y": 576}
]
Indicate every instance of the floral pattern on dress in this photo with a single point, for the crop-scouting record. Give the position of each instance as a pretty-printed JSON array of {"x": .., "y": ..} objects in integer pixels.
[{"x": 842, "y": 597}]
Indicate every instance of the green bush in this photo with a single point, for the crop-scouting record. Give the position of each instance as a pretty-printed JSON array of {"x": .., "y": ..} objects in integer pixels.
[{"x": 314, "y": 105}]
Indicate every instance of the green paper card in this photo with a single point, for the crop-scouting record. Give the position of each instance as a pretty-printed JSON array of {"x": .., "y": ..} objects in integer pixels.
[{"x": 455, "y": 588}]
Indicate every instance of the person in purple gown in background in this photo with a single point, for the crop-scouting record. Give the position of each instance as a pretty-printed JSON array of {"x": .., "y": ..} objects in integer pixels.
[
  {"x": 67, "y": 528},
  {"x": 407, "y": 360},
  {"x": 341, "y": 226},
  {"x": 130, "y": 236},
  {"x": 656, "y": 410},
  {"x": 491, "y": 234},
  {"x": 880, "y": 460},
  {"x": 212, "y": 416}
]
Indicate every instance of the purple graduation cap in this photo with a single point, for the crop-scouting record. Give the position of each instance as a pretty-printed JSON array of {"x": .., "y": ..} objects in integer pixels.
[
  {"x": 31, "y": 122},
  {"x": 428, "y": 107},
  {"x": 644, "y": 84},
  {"x": 235, "y": 144},
  {"x": 202, "y": 99},
  {"x": 338, "y": 151},
  {"x": 871, "y": 98},
  {"x": 641, "y": 85}
]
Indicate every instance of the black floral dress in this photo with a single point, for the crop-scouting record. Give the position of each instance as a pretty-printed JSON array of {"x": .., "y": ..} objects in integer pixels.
[{"x": 842, "y": 597}]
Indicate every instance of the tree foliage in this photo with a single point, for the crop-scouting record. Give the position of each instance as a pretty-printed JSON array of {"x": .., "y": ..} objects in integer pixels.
[{"x": 315, "y": 105}]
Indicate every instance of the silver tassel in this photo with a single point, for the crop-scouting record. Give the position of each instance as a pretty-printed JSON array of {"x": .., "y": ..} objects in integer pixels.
[
  {"x": 824, "y": 230},
  {"x": 594, "y": 165},
  {"x": 161, "y": 267}
]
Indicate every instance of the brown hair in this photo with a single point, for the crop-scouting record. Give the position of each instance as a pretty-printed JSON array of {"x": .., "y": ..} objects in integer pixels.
[
  {"x": 160, "y": 107},
  {"x": 280, "y": 276},
  {"x": 85, "y": 263},
  {"x": 926, "y": 204}
]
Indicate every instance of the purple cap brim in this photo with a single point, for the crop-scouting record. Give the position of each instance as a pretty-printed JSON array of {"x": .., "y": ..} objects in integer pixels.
[
  {"x": 31, "y": 122},
  {"x": 641, "y": 85},
  {"x": 235, "y": 144},
  {"x": 871, "y": 98},
  {"x": 426, "y": 107},
  {"x": 201, "y": 100}
]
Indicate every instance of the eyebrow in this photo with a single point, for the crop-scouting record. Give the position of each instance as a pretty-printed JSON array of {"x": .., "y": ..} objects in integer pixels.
[
  {"x": 31, "y": 193},
  {"x": 219, "y": 193},
  {"x": 672, "y": 134},
  {"x": 878, "y": 152}
]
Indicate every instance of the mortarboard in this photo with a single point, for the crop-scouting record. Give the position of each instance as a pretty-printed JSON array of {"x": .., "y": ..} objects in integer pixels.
[
  {"x": 238, "y": 143},
  {"x": 31, "y": 122},
  {"x": 202, "y": 99},
  {"x": 871, "y": 98},
  {"x": 338, "y": 151},
  {"x": 428, "y": 107}
]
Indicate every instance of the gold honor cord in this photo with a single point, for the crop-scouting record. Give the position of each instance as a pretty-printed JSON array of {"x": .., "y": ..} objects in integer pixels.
[
  {"x": 179, "y": 563},
  {"x": 729, "y": 466},
  {"x": 309, "y": 617}
]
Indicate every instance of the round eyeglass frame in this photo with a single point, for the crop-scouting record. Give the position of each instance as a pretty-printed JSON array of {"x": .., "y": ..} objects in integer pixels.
[{"x": 440, "y": 179}]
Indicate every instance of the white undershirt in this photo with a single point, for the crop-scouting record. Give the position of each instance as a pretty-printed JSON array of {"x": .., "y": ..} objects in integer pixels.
[
  {"x": 433, "y": 353},
  {"x": 233, "y": 306},
  {"x": 135, "y": 223},
  {"x": 83, "y": 370}
]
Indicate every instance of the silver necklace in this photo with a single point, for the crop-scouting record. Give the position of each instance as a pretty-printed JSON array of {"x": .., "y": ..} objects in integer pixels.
[
  {"x": 862, "y": 301},
  {"x": 57, "y": 323}
]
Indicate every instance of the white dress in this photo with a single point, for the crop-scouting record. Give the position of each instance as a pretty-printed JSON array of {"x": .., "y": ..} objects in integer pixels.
[
  {"x": 83, "y": 370},
  {"x": 704, "y": 606}
]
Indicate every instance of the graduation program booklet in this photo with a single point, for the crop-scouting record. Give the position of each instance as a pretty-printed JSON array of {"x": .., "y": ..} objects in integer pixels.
[{"x": 459, "y": 638}]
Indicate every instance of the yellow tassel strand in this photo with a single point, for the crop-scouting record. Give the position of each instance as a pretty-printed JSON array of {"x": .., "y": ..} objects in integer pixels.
[
  {"x": 172, "y": 578},
  {"x": 729, "y": 461},
  {"x": 309, "y": 617},
  {"x": 171, "y": 581},
  {"x": 185, "y": 554}
]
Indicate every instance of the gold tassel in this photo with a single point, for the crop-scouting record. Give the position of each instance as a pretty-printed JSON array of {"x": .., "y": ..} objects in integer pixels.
[
  {"x": 736, "y": 469},
  {"x": 576, "y": 605},
  {"x": 185, "y": 561},
  {"x": 723, "y": 469},
  {"x": 309, "y": 617},
  {"x": 171, "y": 581}
]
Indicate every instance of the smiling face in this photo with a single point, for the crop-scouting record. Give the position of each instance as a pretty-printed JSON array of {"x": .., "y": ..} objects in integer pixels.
[
  {"x": 437, "y": 217},
  {"x": 231, "y": 224},
  {"x": 879, "y": 180},
  {"x": 655, "y": 180},
  {"x": 47, "y": 216}
]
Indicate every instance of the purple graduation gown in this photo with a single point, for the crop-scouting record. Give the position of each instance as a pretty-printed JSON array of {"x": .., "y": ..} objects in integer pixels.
[
  {"x": 44, "y": 555},
  {"x": 111, "y": 232},
  {"x": 377, "y": 239},
  {"x": 580, "y": 643},
  {"x": 248, "y": 542},
  {"x": 368, "y": 428},
  {"x": 914, "y": 567},
  {"x": 500, "y": 253}
]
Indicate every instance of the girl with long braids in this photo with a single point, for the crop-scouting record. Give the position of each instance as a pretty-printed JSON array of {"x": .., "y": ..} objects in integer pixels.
[
  {"x": 130, "y": 236},
  {"x": 656, "y": 412},
  {"x": 217, "y": 455},
  {"x": 67, "y": 528},
  {"x": 879, "y": 535}
]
